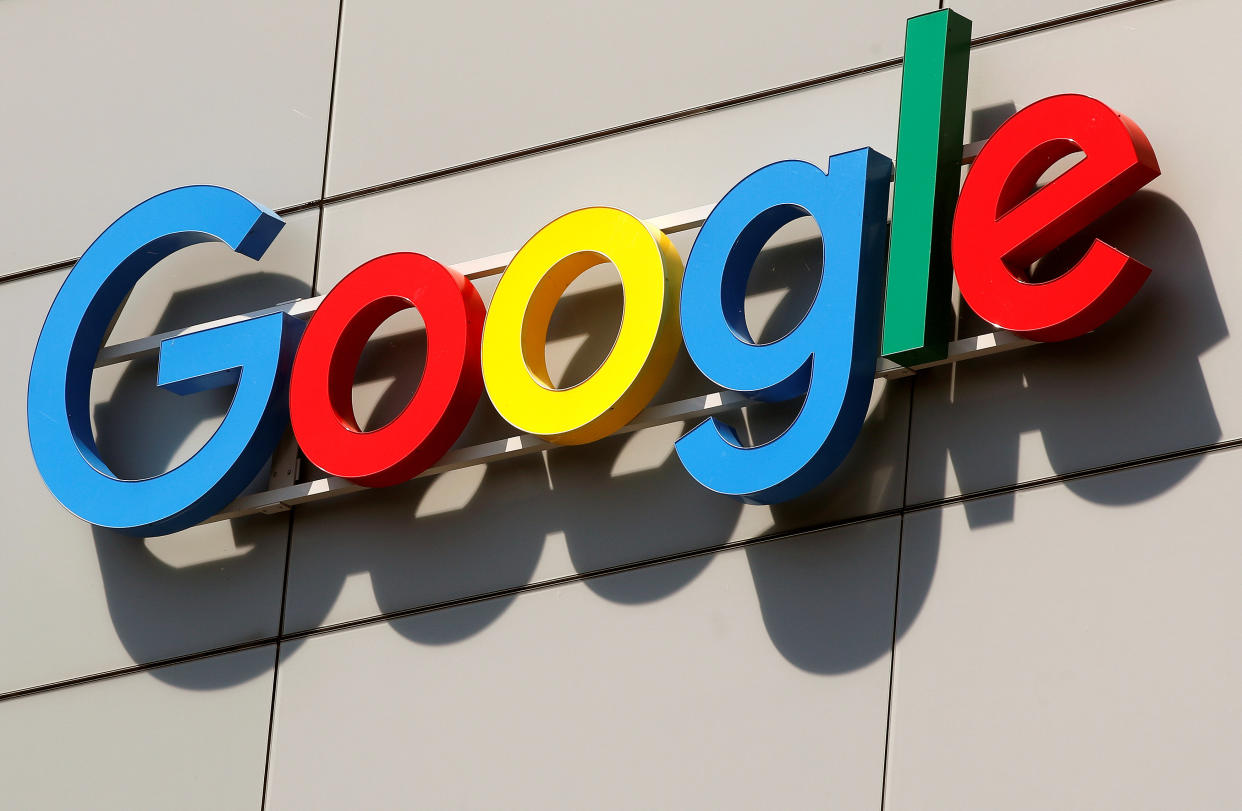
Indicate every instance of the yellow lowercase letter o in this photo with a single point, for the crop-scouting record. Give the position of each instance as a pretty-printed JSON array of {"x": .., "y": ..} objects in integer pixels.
[{"x": 514, "y": 363}]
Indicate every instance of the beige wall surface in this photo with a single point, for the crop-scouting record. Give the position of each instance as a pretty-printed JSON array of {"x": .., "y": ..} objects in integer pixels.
[{"x": 1016, "y": 592}]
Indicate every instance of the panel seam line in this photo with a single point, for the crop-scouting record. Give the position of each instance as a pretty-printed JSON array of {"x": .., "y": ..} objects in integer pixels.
[{"x": 892, "y": 651}]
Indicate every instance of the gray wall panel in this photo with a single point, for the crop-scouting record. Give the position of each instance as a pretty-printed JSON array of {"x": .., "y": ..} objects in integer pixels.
[
  {"x": 107, "y": 104},
  {"x": 1162, "y": 375},
  {"x": 762, "y": 683},
  {"x": 425, "y": 87},
  {"x": 1077, "y": 650},
  {"x": 137, "y": 741},
  {"x": 653, "y": 171},
  {"x": 994, "y": 16}
]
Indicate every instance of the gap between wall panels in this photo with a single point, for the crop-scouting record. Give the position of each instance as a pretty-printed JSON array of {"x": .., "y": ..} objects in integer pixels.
[{"x": 284, "y": 587}]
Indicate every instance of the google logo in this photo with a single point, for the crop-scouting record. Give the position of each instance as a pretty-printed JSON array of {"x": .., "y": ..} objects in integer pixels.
[{"x": 883, "y": 291}]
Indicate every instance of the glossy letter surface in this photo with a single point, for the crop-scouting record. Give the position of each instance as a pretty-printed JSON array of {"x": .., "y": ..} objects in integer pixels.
[
  {"x": 1002, "y": 226},
  {"x": 321, "y": 391},
  {"x": 514, "y": 363},
  {"x": 830, "y": 356},
  {"x": 917, "y": 308},
  {"x": 253, "y": 355}
]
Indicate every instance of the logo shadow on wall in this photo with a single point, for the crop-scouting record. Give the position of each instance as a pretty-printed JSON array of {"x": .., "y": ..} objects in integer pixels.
[
  {"x": 827, "y": 602},
  {"x": 211, "y": 586},
  {"x": 1133, "y": 388}
]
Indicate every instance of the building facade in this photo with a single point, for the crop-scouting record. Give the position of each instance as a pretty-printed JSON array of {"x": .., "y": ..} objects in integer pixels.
[{"x": 1018, "y": 590}]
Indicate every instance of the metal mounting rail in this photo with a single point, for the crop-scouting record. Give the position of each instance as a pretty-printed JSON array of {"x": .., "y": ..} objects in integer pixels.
[
  {"x": 280, "y": 499},
  {"x": 284, "y": 492}
]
